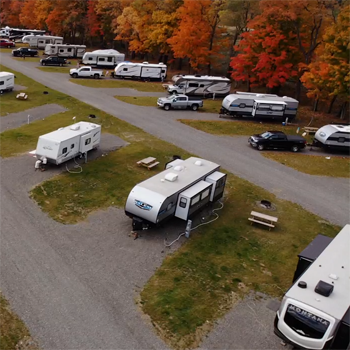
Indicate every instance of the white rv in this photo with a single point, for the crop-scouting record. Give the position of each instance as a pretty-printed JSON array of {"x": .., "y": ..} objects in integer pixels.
[
  {"x": 181, "y": 190},
  {"x": 40, "y": 41},
  {"x": 201, "y": 85},
  {"x": 103, "y": 58},
  {"x": 315, "y": 311},
  {"x": 7, "y": 81},
  {"x": 140, "y": 71},
  {"x": 65, "y": 50},
  {"x": 66, "y": 143},
  {"x": 242, "y": 104},
  {"x": 333, "y": 136}
]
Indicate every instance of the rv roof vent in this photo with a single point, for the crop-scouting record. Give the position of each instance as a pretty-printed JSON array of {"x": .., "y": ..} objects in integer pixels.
[
  {"x": 302, "y": 284},
  {"x": 198, "y": 163},
  {"x": 197, "y": 75},
  {"x": 333, "y": 276},
  {"x": 160, "y": 63},
  {"x": 324, "y": 288},
  {"x": 75, "y": 127},
  {"x": 145, "y": 62},
  {"x": 178, "y": 168},
  {"x": 171, "y": 177}
]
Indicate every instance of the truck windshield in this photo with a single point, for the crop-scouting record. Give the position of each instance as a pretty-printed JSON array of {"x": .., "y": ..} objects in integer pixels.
[
  {"x": 305, "y": 323},
  {"x": 266, "y": 135}
]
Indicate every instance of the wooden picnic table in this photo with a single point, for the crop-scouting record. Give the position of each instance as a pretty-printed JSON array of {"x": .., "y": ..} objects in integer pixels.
[
  {"x": 263, "y": 219},
  {"x": 148, "y": 162}
]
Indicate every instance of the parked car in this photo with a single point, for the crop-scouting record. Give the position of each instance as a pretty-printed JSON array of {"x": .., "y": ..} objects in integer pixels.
[
  {"x": 86, "y": 72},
  {"x": 53, "y": 61},
  {"x": 277, "y": 140},
  {"x": 179, "y": 102},
  {"x": 24, "y": 51},
  {"x": 6, "y": 43}
]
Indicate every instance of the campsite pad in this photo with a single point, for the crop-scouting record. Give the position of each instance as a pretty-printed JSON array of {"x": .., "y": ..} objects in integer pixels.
[
  {"x": 19, "y": 87},
  {"x": 15, "y": 120},
  {"x": 109, "y": 143}
]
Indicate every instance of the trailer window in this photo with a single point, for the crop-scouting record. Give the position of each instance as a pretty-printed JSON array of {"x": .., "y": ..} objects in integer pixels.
[
  {"x": 90, "y": 58},
  {"x": 201, "y": 85},
  {"x": 205, "y": 194},
  {"x": 183, "y": 202},
  {"x": 125, "y": 69},
  {"x": 64, "y": 150},
  {"x": 101, "y": 59},
  {"x": 88, "y": 141},
  {"x": 163, "y": 70},
  {"x": 110, "y": 59},
  {"x": 69, "y": 49},
  {"x": 61, "y": 50},
  {"x": 2, "y": 82},
  {"x": 305, "y": 323},
  {"x": 195, "y": 200},
  {"x": 72, "y": 145},
  {"x": 193, "y": 85}
]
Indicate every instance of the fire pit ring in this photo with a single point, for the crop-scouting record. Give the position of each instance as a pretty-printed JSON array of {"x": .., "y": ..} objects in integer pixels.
[{"x": 266, "y": 204}]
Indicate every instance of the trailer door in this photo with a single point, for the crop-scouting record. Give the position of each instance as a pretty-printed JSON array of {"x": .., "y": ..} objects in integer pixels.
[{"x": 85, "y": 143}]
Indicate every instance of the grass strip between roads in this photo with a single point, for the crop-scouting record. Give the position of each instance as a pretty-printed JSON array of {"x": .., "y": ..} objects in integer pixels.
[{"x": 218, "y": 264}]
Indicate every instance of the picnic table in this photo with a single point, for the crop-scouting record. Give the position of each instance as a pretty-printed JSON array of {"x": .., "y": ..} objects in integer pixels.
[
  {"x": 310, "y": 130},
  {"x": 148, "y": 162},
  {"x": 22, "y": 96},
  {"x": 263, "y": 219}
]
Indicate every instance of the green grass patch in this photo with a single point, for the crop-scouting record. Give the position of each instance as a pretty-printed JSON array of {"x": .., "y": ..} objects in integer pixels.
[
  {"x": 336, "y": 166},
  {"x": 114, "y": 83},
  {"x": 12, "y": 329}
]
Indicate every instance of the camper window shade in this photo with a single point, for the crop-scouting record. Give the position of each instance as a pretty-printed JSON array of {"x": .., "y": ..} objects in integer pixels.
[{"x": 205, "y": 194}]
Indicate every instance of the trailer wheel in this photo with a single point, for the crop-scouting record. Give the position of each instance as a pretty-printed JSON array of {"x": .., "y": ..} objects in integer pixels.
[
  {"x": 260, "y": 147},
  {"x": 75, "y": 75},
  {"x": 194, "y": 107},
  {"x": 167, "y": 107},
  {"x": 295, "y": 149},
  {"x": 96, "y": 76}
]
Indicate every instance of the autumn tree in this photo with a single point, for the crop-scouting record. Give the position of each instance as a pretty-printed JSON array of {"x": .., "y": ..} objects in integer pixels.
[
  {"x": 199, "y": 36},
  {"x": 27, "y": 18},
  {"x": 41, "y": 11},
  {"x": 329, "y": 75}
]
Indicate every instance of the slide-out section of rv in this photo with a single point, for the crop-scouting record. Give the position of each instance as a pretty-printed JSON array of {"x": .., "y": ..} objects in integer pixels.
[
  {"x": 40, "y": 41},
  {"x": 7, "y": 81},
  {"x": 243, "y": 104},
  {"x": 140, "y": 71},
  {"x": 200, "y": 85},
  {"x": 103, "y": 58},
  {"x": 68, "y": 142},
  {"x": 333, "y": 136},
  {"x": 65, "y": 50},
  {"x": 181, "y": 191},
  {"x": 315, "y": 311}
]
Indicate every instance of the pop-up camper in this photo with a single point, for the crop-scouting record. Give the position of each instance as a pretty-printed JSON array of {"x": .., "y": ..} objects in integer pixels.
[
  {"x": 333, "y": 136},
  {"x": 181, "y": 190},
  {"x": 66, "y": 143},
  {"x": 103, "y": 58},
  {"x": 65, "y": 50},
  {"x": 7, "y": 81},
  {"x": 140, "y": 71}
]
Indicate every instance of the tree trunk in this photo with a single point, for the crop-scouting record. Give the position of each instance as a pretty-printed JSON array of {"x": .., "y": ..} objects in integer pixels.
[
  {"x": 343, "y": 110},
  {"x": 331, "y": 104},
  {"x": 315, "y": 104},
  {"x": 248, "y": 85},
  {"x": 180, "y": 64},
  {"x": 298, "y": 90}
]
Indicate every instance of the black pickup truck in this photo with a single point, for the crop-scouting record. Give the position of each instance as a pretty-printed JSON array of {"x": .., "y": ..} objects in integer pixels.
[
  {"x": 24, "y": 51},
  {"x": 277, "y": 140}
]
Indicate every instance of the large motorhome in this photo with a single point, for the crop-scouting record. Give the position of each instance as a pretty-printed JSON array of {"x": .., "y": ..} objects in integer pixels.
[
  {"x": 40, "y": 41},
  {"x": 333, "y": 136},
  {"x": 315, "y": 311},
  {"x": 65, "y": 50},
  {"x": 181, "y": 190},
  {"x": 242, "y": 104},
  {"x": 103, "y": 58},
  {"x": 140, "y": 71},
  {"x": 200, "y": 85},
  {"x": 16, "y": 33},
  {"x": 68, "y": 142}
]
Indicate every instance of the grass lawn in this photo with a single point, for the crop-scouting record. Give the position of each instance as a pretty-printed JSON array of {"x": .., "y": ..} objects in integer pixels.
[
  {"x": 218, "y": 264},
  {"x": 336, "y": 166},
  {"x": 12, "y": 329},
  {"x": 115, "y": 83}
]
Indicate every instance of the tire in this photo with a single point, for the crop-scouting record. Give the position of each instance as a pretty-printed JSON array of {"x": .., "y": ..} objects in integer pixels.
[
  {"x": 9, "y": 47},
  {"x": 167, "y": 107},
  {"x": 194, "y": 107},
  {"x": 261, "y": 147},
  {"x": 75, "y": 75},
  {"x": 174, "y": 92},
  {"x": 295, "y": 149},
  {"x": 96, "y": 76},
  {"x": 43, "y": 63}
]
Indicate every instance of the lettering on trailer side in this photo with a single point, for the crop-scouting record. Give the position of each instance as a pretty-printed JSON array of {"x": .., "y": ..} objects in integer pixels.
[
  {"x": 308, "y": 314},
  {"x": 143, "y": 205}
]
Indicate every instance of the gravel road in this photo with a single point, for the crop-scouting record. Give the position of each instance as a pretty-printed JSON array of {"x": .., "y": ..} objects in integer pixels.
[{"x": 74, "y": 285}]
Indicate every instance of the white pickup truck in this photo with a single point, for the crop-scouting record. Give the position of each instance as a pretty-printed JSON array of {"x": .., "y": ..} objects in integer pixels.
[{"x": 86, "y": 72}]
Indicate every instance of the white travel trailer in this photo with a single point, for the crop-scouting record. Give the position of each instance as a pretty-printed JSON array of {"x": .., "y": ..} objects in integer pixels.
[
  {"x": 242, "y": 104},
  {"x": 7, "y": 81},
  {"x": 40, "y": 41},
  {"x": 200, "y": 85},
  {"x": 333, "y": 136},
  {"x": 66, "y": 143},
  {"x": 65, "y": 50},
  {"x": 315, "y": 311},
  {"x": 103, "y": 58},
  {"x": 181, "y": 190},
  {"x": 140, "y": 71}
]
